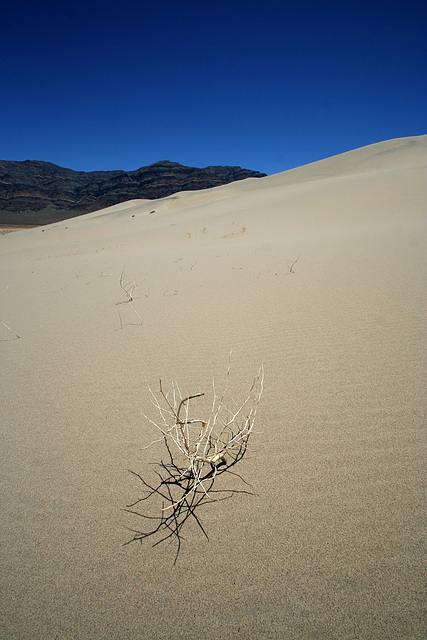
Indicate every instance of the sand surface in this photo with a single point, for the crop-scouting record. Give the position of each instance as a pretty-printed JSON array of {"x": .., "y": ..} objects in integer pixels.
[{"x": 332, "y": 544}]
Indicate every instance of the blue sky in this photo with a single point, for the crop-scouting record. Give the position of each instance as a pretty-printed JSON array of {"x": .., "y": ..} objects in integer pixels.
[{"x": 266, "y": 85}]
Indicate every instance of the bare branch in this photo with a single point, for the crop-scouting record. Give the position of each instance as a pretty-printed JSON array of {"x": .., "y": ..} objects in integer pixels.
[
  {"x": 290, "y": 266},
  {"x": 12, "y": 331},
  {"x": 128, "y": 287},
  {"x": 200, "y": 451}
]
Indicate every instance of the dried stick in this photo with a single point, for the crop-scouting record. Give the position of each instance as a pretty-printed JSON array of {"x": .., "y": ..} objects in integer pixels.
[
  {"x": 199, "y": 452},
  {"x": 12, "y": 331},
  {"x": 291, "y": 266},
  {"x": 128, "y": 287}
]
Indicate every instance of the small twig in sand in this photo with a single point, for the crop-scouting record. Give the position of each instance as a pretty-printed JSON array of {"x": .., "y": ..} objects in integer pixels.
[
  {"x": 128, "y": 288},
  {"x": 121, "y": 321},
  {"x": 199, "y": 451},
  {"x": 12, "y": 331},
  {"x": 290, "y": 266}
]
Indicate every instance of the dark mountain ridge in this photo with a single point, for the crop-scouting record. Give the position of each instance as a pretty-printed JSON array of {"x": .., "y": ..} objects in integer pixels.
[{"x": 38, "y": 192}]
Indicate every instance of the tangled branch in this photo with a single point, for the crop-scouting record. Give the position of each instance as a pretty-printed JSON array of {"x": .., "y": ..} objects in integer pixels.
[{"x": 199, "y": 451}]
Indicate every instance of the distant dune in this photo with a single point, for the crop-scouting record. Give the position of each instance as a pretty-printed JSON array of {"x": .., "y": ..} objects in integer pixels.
[{"x": 318, "y": 274}]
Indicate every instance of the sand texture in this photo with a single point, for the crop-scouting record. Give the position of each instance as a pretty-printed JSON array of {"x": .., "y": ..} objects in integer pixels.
[{"x": 318, "y": 274}]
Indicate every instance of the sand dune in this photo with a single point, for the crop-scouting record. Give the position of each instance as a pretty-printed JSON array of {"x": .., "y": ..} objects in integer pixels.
[{"x": 332, "y": 544}]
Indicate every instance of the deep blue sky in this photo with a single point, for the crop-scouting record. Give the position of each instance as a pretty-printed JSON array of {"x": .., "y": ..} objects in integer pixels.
[{"x": 267, "y": 85}]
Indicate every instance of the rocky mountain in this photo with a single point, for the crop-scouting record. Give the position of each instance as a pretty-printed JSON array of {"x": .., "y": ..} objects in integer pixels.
[{"x": 36, "y": 192}]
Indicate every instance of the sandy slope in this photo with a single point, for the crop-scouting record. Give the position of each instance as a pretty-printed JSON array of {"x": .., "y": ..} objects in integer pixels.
[{"x": 332, "y": 546}]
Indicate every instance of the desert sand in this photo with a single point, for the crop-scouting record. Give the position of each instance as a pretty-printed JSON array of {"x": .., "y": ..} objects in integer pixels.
[{"x": 317, "y": 274}]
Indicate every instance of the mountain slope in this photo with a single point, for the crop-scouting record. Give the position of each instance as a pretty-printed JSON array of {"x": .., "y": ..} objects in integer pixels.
[{"x": 35, "y": 192}]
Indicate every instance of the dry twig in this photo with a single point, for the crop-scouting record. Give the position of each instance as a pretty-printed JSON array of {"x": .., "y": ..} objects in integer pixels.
[
  {"x": 199, "y": 452},
  {"x": 12, "y": 331},
  {"x": 128, "y": 287},
  {"x": 291, "y": 265}
]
